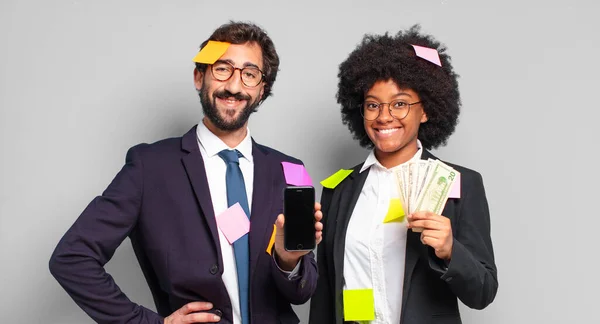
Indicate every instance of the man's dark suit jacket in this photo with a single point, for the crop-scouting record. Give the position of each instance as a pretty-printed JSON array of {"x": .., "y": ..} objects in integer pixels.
[
  {"x": 430, "y": 290},
  {"x": 161, "y": 201}
]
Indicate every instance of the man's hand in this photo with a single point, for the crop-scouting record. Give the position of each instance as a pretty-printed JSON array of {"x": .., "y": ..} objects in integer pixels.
[
  {"x": 192, "y": 313},
  {"x": 437, "y": 232},
  {"x": 287, "y": 260}
]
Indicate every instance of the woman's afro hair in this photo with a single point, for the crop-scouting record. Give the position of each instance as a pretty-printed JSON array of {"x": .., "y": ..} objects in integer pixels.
[{"x": 384, "y": 57}]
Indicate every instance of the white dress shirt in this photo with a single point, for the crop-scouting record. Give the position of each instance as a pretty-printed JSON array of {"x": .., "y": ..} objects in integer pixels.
[
  {"x": 210, "y": 146},
  {"x": 375, "y": 252}
]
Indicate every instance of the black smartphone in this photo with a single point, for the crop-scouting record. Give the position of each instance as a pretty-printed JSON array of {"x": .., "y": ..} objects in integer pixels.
[{"x": 299, "y": 211}]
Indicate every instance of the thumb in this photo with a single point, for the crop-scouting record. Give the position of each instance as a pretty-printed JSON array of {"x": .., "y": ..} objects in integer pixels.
[{"x": 280, "y": 221}]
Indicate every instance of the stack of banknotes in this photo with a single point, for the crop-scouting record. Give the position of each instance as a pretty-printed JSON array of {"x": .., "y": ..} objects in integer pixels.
[{"x": 425, "y": 186}]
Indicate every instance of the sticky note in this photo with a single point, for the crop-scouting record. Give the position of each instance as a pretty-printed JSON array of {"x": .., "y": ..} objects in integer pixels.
[
  {"x": 296, "y": 174},
  {"x": 272, "y": 240},
  {"x": 395, "y": 212},
  {"x": 335, "y": 178},
  {"x": 359, "y": 305},
  {"x": 428, "y": 54},
  {"x": 455, "y": 190},
  {"x": 234, "y": 223},
  {"x": 211, "y": 52}
]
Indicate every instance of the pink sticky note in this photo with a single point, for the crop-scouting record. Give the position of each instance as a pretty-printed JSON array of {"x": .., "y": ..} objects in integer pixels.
[
  {"x": 234, "y": 223},
  {"x": 428, "y": 54},
  {"x": 455, "y": 190},
  {"x": 296, "y": 174}
]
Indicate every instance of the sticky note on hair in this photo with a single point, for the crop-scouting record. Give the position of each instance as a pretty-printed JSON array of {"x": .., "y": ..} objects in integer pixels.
[
  {"x": 359, "y": 305},
  {"x": 455, "y": 190},
  {"x": 272, "y": 240},
  {"x": 211, "y": 52},
  {"x": 233, "y": 222},
  {"x": 395, "y": 212},
  {"x": 428, "y": 54},
  {"x": 336, "y": 178},
  {"x": 296, "y": 174}
]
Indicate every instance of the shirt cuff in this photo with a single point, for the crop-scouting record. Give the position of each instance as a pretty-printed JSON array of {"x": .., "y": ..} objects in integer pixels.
[{"x": 291, "y": 274}]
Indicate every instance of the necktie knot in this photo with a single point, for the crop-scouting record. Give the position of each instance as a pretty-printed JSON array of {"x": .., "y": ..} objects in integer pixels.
[{"x": 230, "y": 156}]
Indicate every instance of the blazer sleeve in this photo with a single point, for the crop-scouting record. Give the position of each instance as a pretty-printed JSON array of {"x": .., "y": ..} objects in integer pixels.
[
  {"x": 322, "y": 309},
  {"x": 471, "y": 273},
  {"x": 299, "y": 289},
  {"x": 79, "y": 258}
]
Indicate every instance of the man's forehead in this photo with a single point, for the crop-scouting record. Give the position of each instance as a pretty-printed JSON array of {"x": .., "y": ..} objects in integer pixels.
[{"x": 247, "y": 54}]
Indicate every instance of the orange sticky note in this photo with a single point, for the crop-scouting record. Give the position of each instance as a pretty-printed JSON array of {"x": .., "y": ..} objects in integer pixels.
[
  {"x": 211, "y": 52},
  {"x": 272, "y": 240},
  {"x": 359, "y": 305},
  {"x": 395, "y": 212}
]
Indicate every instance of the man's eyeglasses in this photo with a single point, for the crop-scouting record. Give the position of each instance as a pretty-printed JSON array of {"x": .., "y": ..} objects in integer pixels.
[
  {"x": 398, "y": 109},
  {"x": 251, "y": 76}
]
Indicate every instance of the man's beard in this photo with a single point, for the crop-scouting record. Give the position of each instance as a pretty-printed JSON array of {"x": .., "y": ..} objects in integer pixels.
[{"x": 212, "y": 113}]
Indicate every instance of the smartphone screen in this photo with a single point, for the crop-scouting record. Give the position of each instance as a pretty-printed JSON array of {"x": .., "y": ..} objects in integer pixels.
[{"x": 299, "y": 227}]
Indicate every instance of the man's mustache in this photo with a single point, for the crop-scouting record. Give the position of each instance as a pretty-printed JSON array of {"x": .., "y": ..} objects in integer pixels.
[{"x": 228, "y": 95}]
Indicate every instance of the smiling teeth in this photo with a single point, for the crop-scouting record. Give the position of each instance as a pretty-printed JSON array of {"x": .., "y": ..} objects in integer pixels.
[{"x": 388, "y": 131}]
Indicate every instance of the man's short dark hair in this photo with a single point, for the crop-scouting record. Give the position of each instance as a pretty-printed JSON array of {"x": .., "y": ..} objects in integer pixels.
[
  {"x": 384, "y": 57},
  {"x": 241, "y": 33}
]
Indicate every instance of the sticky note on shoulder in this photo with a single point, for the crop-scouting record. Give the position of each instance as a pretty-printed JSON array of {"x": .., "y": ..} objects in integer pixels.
[
  {"x": 395, "y": 212},
  {"x": 336, "y": 178},
  {"x": 233, "y": 222},
  {"x": 211, "y": 52},
  {"x": 429, "y": 54},
  {"x": 359, "y": 305},
  {"x": 296, "y": 174}
]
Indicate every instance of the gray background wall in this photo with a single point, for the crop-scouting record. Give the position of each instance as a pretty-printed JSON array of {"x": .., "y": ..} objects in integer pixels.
[{"x": 82, "y": 81}]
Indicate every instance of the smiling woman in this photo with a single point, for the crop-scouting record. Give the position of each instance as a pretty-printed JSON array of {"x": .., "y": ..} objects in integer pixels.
[{"x": 399, "y": 96}]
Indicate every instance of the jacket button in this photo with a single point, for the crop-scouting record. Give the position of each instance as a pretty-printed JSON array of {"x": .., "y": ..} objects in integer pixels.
[
  {"x": 214, "y": 269},
  {"x": 218, "y": 312}
]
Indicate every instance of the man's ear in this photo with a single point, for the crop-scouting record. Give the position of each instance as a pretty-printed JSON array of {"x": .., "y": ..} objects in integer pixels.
[{"x": 198, "y": 78}]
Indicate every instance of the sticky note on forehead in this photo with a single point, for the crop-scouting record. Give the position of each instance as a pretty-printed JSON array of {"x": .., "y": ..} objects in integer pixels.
[
  {"x": 428, "y": 54},
  {"x": 211, "y": 52}
]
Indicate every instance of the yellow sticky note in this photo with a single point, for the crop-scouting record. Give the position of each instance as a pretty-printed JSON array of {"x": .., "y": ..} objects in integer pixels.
[
  {"x": 335, "y": 178},
  {"x": 395, "y": 212},
  {"x": 359, "y": 305},
  {"x": 272, "y": 240},
  {"x": 211, "y": 52}
]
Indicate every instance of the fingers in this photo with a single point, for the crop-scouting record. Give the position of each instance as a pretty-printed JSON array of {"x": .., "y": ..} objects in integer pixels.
[
  {"x": 194, "y": 307},
  {"x": 426, "y": 223},
  {"x": 192, "y": 313},
  {"x": 201, "y": 318},
  {"x": 317, "y": 206},
  {"x": 318, "y": 215}
]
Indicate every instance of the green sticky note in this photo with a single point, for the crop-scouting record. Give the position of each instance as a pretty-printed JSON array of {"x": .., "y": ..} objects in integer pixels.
[
  {"x": 359, "y": 305},
  {"x": 395, "y": 212},
  {"x": 335, "y": 178}
]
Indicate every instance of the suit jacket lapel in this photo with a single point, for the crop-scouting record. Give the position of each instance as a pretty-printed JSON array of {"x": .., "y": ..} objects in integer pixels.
[
  {"x": 350, "y": 191},
  {"x": 262, "y": 194},
  {"x": 194, "y": 166}
]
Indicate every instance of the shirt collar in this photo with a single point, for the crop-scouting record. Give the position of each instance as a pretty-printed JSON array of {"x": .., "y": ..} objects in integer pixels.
[
  {"x": 212, "y": 144},
  {"x": 372, "y": 160}
]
